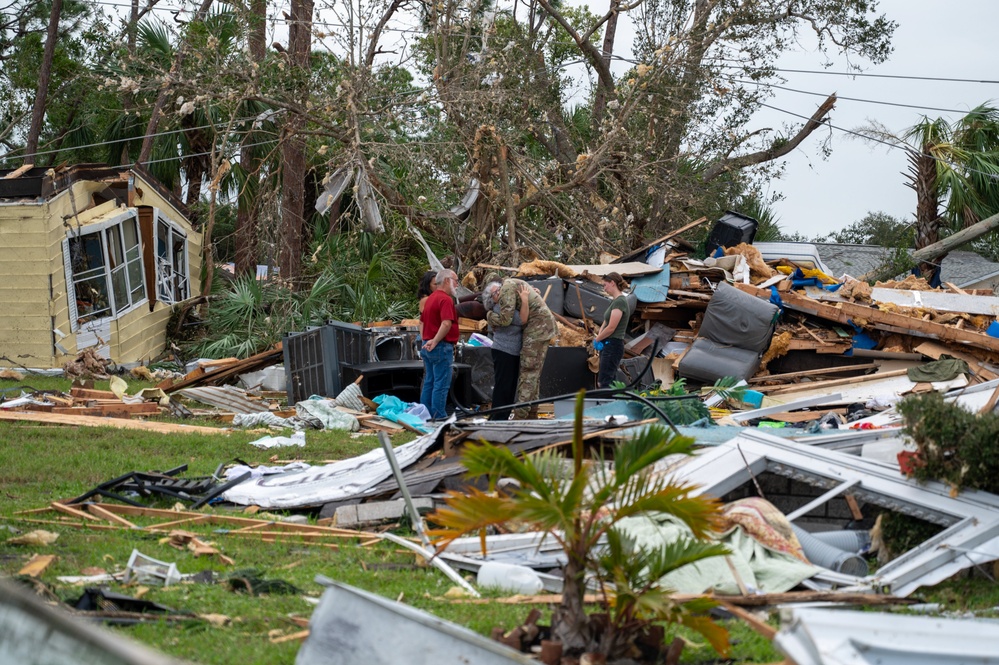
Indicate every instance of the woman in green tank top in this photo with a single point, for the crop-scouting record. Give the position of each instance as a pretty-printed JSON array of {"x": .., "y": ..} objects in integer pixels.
[{"x": 610, "y": 338}]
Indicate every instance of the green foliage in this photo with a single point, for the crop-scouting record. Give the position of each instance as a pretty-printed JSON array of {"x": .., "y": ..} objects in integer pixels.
[
  {"x": 248, "y": 314},
  {"x": 357, "y": 277},
  {"x": 691, "y": 408},
  {"x": 580, "y": 507},
  {"x": 954, "y": 445},
  {"x": 875, "y": 228},
  {"x": 901, "y": 533}
]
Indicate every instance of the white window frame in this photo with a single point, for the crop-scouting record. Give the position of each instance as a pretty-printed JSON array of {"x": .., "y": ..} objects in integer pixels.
[
  {"x": 168, "y": 278},
  {"x": 134, "y": 296}
]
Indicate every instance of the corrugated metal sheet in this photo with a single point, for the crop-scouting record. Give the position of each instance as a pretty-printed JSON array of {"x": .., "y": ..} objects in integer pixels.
[{"x": 228, "y": 398}]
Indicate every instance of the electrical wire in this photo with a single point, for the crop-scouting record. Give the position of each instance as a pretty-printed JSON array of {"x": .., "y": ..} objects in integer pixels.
[
  {"x": 850, "y": 99},
  {"x": 13, "y": 153}
]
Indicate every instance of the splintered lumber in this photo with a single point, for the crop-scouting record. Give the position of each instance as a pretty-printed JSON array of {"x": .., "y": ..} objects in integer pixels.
[
  {"x": 37, "y": 565},
  {"x": 73, "y": 512},
  {"x": 178, "y": 517},
  {"x": 471, "y": 325},
  {"x": 20, "y": 171},
  {"x": 799, "y": 387},
  {"x": 301, "y": 635},
  {"x": 791, "y": 376},
  {"x": 633, "y": 255},
  {"x": 109, "y": 516},
  {"x": 850, "y": 313},
  {"x": 251, "y": 364},
  {"x": 757, "y": 624},
  {"x": 95, "y": 421},
  {"x": 116, "y": 410},
  {"x": 90, "y": 393}
]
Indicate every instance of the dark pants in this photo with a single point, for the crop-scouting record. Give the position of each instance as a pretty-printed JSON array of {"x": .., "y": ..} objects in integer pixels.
[
  {"x": 506, "y": 372},
  {"x": 610, "y": 358}
]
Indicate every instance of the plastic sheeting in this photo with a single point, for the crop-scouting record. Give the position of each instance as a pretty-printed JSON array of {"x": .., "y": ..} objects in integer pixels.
[{"x": 332, "y": 482}]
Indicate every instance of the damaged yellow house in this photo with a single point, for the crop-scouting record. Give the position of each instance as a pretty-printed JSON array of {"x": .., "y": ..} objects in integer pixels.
[{"x": 90, "y": 256}]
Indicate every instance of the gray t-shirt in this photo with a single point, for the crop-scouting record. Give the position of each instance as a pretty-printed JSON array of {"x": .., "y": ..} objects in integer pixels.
[{"x": 508, "y": 339}]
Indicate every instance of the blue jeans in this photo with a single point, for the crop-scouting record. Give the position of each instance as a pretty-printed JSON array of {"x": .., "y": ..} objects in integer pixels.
[{"x": 437, "y": 378}]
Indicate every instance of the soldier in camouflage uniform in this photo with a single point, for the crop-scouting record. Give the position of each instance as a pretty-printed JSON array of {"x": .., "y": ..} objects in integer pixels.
[{"x": 539, "y": 331}]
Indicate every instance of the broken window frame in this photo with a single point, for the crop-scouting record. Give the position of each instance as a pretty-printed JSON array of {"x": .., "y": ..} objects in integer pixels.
[
  {"x": 120, "y": 265},
  {"x": 971, "y": 519},
  {"x": 172, "y": 268}
]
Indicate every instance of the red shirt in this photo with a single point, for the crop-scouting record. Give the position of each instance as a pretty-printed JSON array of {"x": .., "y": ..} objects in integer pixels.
[{"x": 439, "y": 307}]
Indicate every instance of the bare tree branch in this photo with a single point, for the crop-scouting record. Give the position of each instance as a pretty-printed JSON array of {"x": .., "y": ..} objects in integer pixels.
[{"x": 773, "y": 152}]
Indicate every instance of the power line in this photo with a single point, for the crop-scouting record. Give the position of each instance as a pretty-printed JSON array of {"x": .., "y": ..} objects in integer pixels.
[
  {"x": 850, "y": 99},
  {"x": 875, "y": 139},
  {"x": 13, "y": 152},
  {"x": 882, "y": 76}
]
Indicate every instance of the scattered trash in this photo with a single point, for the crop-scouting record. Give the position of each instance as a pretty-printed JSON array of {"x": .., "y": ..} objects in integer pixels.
[
  {"x": 252, "y": 581},
  {"x": 296, "y": 439},
  {"x": 509, "y": 577},
  {"x": 37, "y": 538},
  {"x": 142, "y": 569}
]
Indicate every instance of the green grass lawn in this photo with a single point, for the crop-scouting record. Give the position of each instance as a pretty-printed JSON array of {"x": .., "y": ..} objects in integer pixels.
[{"x": 43, "y": 463}]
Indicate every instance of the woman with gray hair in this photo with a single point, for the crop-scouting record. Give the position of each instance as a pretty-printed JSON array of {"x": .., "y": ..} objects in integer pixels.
[{"x": 505, "y": 351}]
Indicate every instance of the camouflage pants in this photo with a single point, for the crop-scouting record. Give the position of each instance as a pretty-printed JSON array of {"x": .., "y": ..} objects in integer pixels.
[{"x": 532, "y": 359}]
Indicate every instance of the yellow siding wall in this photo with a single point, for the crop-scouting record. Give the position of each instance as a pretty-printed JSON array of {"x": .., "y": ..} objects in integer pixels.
[
  {"x": 25, "y": 267},
  {"x": 33, "y": 288},
  {"x": 140, "y": 335}
]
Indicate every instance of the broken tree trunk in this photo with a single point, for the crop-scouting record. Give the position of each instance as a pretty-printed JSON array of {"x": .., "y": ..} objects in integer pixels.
[{"x": 962, "y": 237}]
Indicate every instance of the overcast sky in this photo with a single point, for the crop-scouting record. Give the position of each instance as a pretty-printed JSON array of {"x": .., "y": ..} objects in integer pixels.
[{"x": 954, "y": 39}]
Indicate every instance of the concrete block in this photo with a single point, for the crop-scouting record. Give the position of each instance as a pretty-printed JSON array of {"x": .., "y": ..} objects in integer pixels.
[{"x": 378, "y": 511}]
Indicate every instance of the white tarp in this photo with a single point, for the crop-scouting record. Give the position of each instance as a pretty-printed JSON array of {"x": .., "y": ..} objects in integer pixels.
[{"x": 333, "y": 482}]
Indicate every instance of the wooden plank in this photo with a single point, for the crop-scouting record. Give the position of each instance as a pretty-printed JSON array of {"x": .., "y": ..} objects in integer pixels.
[
  {"x": 37, "y": 565},
  {"x": 631, "y": 256},
  {"x": 814, "y": 372},
  {"x": 258, "y": 361},
  {"x": 849, "y": 313},
  {"x": 301, "y": 635},
  {"x": 934, "y": 350},
  {"x": 109, "y": 516},
  {"x": 90, "y": 393},
  {"x": 119, "y": 410},
  {"x": 223, "y": 519},
  {"x": 803, "y": 416},
  {"x": 218, "y": 362},
  {"x": 814, "y": 385},
  {"x": 74, "y": 525},
  {"x": 119, "y": 423},
  {"x": 18, "y": 172},
  {"x": 74, "y": 512},
  {"x": 757, "y": 624},
  {"x": 811, "y": 345},
  {"x": 186, "y": 521}
]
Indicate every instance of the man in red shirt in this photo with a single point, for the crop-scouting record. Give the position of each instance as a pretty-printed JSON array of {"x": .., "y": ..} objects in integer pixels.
[{"x": 440, "y": 330}]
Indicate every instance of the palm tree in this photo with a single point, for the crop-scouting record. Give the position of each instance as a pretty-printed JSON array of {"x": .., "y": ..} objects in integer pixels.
[
  {"x": 954, "y": 170},
  {"x": 580, "y": 508}
]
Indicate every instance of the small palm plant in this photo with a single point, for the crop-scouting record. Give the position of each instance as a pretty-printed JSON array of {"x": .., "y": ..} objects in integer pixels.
[{"x": 580, "y": 510}]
